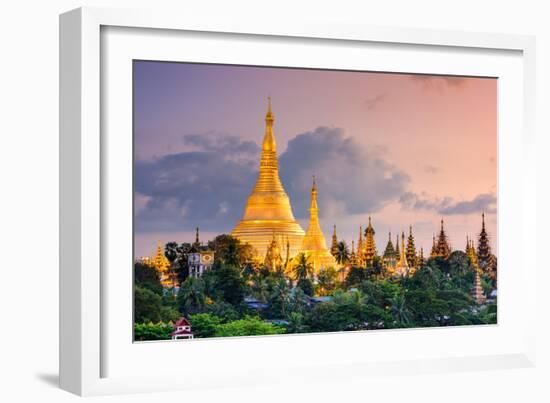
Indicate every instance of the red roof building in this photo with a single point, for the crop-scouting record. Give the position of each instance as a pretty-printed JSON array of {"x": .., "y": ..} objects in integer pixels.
[{"x": 182, "y": 329}]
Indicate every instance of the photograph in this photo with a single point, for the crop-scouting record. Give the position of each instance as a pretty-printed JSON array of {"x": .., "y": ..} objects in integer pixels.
[{"x": 287, "y": 200}]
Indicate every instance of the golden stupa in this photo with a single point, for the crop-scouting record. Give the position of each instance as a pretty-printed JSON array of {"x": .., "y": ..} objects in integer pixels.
[
  {"x": 268, "y": 212},
  {"x": 314, "y": 244}
]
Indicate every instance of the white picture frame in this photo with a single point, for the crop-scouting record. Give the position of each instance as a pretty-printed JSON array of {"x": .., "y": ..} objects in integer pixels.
[{"x": 85, "y": 343}]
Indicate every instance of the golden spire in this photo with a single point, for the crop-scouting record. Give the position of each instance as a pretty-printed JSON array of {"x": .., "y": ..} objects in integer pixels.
[
  {"x": 402, "y": 266},
  {"x": 370, "y": 245},
  {"x": 268, "y": 207},
  {"x": 314, "y": 243}
]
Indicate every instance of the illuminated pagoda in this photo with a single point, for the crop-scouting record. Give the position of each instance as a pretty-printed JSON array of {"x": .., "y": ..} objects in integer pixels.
[
  {"x": 402, "y": 266},
  {"x": 411, "y": 249},
  {"x": 433, "y": 253},
  {"x": 314, "y": 245},
  {"x": 268, "y": 208},
  {"x": 162, "y": 265},
  {"x": 370, "y": 245},
  {"x": 471, "y": 253},
  {"x": 477, "y": 291},
  {"x": 442, "y": 247},
  {"x": 360, "y": 248},
  {"x": 352, "y": 255},
  {"x": 389, "y": 258}
]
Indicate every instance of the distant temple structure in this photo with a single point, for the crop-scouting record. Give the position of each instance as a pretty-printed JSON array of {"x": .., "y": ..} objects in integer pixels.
[
  {"x": 200, "y": 258},
  {"x": 402, "y": 267},
  {"x": 314, "y": 245},
  {"x": 390, "y": 256},
  {"x": 268, "y": 210},
  {"x": 162, "y": 265},
  {"x": 441, "y": 247}
]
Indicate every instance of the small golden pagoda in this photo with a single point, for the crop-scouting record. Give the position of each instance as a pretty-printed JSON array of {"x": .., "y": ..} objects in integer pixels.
[
  {"x": 162, "y": 265},
  {"x": 268, "y": 208},
  {"x": 314, "y": 245},
  {"x": 402, "y": 266}
]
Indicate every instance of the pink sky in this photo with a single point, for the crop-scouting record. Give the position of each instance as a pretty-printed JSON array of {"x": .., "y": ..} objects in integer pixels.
[{"x": 438, "y": 131}]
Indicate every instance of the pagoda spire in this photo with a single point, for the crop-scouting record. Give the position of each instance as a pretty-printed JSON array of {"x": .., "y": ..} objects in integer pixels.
[
  {"x": 420, "y": 259},
  {"x": 442, "y": 246},
  {"x": 334, "y": 244},
  {"x": 390, "y": 256},
  {"x": 197, "y": 241},
  {"x": 360, "y": 245},
  {"x": 397, "y": 252},
  {"x": 268, "y": 207},
  {"x": 314, "y": 244},
  {"x": 483, "y": 246},
  {"x": 402, "y": 266},
  {"x": 477, "y": 291},
  {"x": 411, "y": 249},
  {"x": 370, "y": 244}
]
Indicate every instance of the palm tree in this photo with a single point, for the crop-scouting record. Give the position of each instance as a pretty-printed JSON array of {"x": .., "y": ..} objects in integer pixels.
[
  {"x": 260, "y": 288},
  {"x": 400, "y": 310},
  {"x": 191, "y": 294},
  {"x": 303, "y": 269},
  {"x": 280, "y": 294},
  {"x": 342, "y": 253}
]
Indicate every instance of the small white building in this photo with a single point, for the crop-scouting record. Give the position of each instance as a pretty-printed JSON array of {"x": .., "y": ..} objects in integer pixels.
[{"x": 182, "y": 329}]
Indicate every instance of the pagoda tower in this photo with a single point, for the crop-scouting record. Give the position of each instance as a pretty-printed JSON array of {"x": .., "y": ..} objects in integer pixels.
[
  {"x": 483, "y": 247},
  {"x": 402, "y": 266},
  {"x": 268, "y": 208},
  {"x": 411, "y": 249},
  {"x": 314, "y": 245},
  {"x": 420, "y": 259},
  {"x": 477, "y": 291},
  {"x": 370, "y": 244},
  {"x": 442, "y": 246},
  {"x": 390, "y": 255},
  {"x": 360, "y": 247},
  {"x": 433, "y": 252},
  {"x": 397, "y": 252},
  {"x": 334, "y": 244},
  {"x": 162, "y": 265},
  {"x": 353, "y": 256}
]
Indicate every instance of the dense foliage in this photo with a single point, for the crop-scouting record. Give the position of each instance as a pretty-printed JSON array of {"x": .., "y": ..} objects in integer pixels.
[{"x": 239, "y": 298}]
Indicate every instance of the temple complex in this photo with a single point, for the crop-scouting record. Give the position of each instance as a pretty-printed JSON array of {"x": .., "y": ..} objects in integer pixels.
[
  {"x": 268, "y": 210},
  {"x": 314, "y": 245}
]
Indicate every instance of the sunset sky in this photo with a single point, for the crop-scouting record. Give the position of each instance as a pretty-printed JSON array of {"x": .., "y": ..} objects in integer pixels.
[{"x": 406, "y": 149}]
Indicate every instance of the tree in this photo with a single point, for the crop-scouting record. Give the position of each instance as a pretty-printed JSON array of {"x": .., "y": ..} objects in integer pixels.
[
  {"x": 306, "y": 285},
  {"x": 146, "y": 276},
  {"x": 147, "y": 305},
  {"x": 191, "y": 297},
  {"x": 355, "y": 276},
  {"x": 248, "y": 326},
  {"x": 327, "y": 280},
  {"x": 260, "y": 288},
  {"x": 231, "y": 251},
  {"x": 280, "y": 297},
  {"x": 303, "y": 269},
  {"x": 296, "y": 323},
  {"x": 342, "y": 253},
  {"x": 204, "y": 324},
  {"x": 400, "y": 311},
  {"x": 229, "y": 284},
  {"x": 150, "y": 331}
]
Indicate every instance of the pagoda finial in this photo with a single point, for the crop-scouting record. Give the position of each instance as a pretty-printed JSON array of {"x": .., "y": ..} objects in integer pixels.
[
  {"x": 197, "y": 235},
  {"x": 269, "y": 118}
]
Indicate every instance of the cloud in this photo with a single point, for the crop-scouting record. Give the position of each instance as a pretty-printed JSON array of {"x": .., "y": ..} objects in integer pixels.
[
  {"x": 351, "y": 178},
  {"x": 447, "y": 206},
  {"x": 208, "y": 187},
  {"x": 373, "y": 102},
  {"x": 227, "y": 145},
  {"x": 433, "y": 82},
  {"x": 197, "y": 188}
]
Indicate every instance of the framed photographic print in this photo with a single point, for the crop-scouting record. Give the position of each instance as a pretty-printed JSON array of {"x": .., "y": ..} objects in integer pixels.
[{"x": 248, "y": 195}]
